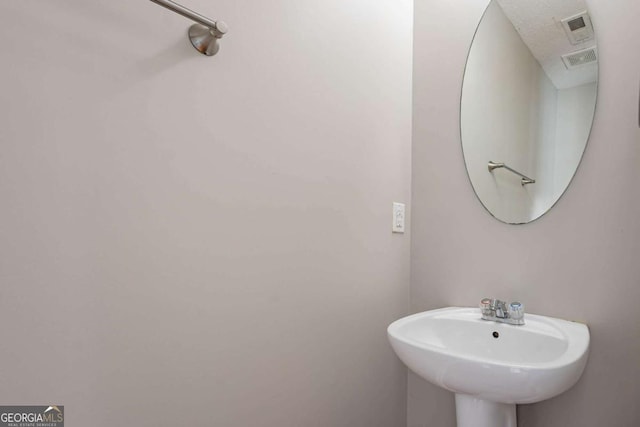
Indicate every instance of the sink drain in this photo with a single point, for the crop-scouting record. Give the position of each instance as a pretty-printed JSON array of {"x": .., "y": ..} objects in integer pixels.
[{"x": 495, "y": 334}]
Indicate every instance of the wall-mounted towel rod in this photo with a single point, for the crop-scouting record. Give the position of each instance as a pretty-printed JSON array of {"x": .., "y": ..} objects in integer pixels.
[
  {"x": 205, "y": 34},
  {"x": 525, "y": 179}
]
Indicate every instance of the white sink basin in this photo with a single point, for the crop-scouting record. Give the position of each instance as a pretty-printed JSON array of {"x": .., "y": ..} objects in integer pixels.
[{"x": 491, "y": 366}]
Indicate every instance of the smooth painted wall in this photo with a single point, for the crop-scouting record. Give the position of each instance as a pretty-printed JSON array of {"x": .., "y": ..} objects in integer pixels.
[
  {"x": 204, "y": 241},
  {"x": 575, "y": 113},
  {"x": 579, "y": 261},
  {"x": 545, "y": 149}
]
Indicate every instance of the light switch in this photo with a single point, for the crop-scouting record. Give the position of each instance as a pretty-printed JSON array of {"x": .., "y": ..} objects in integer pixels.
[{"x": 398, "y": 217}]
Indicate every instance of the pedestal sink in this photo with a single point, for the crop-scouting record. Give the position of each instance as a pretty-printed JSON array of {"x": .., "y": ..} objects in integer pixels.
[{"x": 491, "y": 366}]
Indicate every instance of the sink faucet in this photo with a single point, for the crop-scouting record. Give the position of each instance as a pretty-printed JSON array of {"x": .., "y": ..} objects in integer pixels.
[{"x": 498, "y": 311}]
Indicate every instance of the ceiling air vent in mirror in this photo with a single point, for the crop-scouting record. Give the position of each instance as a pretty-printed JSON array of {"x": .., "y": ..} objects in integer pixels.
[
  {"x": 578, "y": 28},
  {"x": 582, "y": 57}
]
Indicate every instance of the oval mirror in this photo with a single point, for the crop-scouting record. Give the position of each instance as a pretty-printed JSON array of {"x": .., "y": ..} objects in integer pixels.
[{"x": 528, "y": 100}]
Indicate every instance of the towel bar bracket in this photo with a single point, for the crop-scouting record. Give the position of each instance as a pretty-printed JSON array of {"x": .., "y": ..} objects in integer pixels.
[{"x": 205, "y": 33}]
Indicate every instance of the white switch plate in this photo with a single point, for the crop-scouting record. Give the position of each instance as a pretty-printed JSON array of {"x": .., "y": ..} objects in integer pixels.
[{"x": 398, "y": 217}]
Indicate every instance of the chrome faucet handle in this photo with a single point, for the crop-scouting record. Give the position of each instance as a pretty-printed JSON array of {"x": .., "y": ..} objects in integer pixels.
[
  {"x": 516, "y": 310},
  {"x": 485, "y": 306}
]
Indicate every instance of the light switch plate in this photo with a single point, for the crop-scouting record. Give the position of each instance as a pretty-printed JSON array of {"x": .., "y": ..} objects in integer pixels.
[{"x": 398, "y": 217}]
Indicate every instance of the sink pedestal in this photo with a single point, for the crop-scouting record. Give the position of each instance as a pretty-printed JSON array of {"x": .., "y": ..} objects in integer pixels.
[{"x": 474, "y": 412}]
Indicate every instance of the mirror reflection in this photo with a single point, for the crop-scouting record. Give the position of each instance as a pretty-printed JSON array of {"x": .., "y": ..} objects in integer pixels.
[{"x": 528, "y": 100}]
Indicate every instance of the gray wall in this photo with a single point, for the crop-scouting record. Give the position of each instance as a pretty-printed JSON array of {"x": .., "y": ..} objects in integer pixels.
[
  {"x": 579, "y": 261},
  {"x": 204, "y": 241}
]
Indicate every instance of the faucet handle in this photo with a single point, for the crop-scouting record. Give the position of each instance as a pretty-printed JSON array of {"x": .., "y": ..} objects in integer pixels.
[
  {"x": 485, "y": 306},
  {"x": 516, "y": 310}
]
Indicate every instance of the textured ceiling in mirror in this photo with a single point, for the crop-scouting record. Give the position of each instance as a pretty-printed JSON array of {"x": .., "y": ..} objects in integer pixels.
[{"x": 539, "y": 24}]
